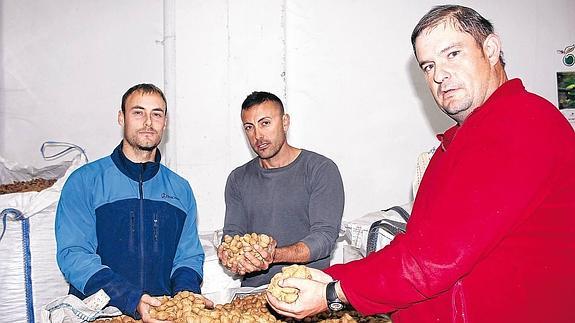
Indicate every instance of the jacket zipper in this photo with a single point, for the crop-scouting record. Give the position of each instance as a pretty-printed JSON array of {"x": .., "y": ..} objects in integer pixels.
[
  {"x": 156, "y": 231},
  {"x": 458, "y": 307},
  {"x": 132, "y": 230},
  {"x": 142, "y": 233}
]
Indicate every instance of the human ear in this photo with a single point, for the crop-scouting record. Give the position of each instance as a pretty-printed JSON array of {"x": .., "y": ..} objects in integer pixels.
[
  {"x": 492, "y": 48},
  {"x": 285, "y": 122},
  {"x": 121, "y": 118}
]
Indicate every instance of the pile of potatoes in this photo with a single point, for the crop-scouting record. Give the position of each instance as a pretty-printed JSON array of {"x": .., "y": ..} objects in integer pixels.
[
  {"x": 34, "y": 185},
  {"x": 345, "y": 316},
  {"x": 186, "y": 307},
  {"x": 237, "y": 246},
  {"x": 287, "y": 294},
  {"x": 179, "y": 308},
  {"x": 251, "y": 308},
  {"x": 118, "y": 319}
]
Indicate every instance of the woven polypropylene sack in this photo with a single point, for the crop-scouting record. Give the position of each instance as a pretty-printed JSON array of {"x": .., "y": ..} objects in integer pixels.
[{"x": 30, "y": 275}]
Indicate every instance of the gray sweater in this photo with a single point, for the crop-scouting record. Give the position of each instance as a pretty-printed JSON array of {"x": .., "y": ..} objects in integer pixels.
[{"x": 302, "y": 201}]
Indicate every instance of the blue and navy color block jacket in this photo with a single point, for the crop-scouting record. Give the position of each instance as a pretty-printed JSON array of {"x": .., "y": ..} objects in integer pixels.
[{"x": 128, "y": 228}]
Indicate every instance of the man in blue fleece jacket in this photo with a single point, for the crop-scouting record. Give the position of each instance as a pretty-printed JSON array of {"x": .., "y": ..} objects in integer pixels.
[{"x": 126, "y": 223}]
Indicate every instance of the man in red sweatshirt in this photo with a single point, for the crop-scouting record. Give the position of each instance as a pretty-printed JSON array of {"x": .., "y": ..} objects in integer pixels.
[{"x": 491, "y": 237}]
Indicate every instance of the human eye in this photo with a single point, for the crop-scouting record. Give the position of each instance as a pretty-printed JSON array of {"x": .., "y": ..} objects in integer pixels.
[
  {"x": 265, "y": 123},
  {"x": 427, "y": 67},
  {"x": 248, "y": 127},
  {"x": 158, "y": 114},
  {"x": 453, "y": 54}
]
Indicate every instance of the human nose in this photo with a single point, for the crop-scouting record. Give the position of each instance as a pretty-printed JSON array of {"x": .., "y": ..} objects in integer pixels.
[
  {"x": 440, "y": 74},
  {"x": 148, "y": 120},
  {"x": 258, "y": 133}
]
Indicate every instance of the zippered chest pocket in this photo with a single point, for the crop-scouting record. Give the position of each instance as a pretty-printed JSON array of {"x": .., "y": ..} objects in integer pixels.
[
  {"x": 156, "y": 231},
  {"x": 132, "y": 230}
]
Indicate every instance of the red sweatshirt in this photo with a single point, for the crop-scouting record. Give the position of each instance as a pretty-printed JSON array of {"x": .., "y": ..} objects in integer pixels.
[{"x": 492, "y": 234}]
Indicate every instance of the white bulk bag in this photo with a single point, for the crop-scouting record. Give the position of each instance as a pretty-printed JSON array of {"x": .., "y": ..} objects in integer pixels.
[
  {"x": 375, "y": 230},
  {"x": 217, "y": 279},
  {"x": 30, "y": 276}
]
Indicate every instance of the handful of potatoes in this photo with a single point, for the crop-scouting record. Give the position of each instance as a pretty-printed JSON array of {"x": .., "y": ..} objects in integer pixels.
[
  {"x": 287, "y": 294},
  {"x": 237, "y": 246}
]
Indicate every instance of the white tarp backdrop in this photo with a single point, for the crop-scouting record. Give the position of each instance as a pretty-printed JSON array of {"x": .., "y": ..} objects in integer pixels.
[{"x": 345, "y": 69}]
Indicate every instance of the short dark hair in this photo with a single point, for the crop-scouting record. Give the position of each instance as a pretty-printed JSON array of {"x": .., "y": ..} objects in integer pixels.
[
  {"x": 258, "y": 97},
  {"x": 463, "y": 18},
  {"x": 144, "y": 88}
]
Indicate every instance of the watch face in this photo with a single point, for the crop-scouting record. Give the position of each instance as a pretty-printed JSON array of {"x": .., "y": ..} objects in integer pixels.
[{"x": 335, "y": 306}]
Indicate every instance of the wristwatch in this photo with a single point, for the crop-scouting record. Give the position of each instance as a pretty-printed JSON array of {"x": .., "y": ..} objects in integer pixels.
[{"x": 333, "y": 302}]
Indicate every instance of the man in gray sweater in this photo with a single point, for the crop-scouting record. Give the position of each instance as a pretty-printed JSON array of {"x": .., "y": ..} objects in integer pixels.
[{"x": 293, "y": 195}]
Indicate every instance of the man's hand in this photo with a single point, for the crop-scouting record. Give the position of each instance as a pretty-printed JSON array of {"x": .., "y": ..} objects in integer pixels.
[
  {"x": 251, "y": 263},
  {"x": 223, "y": 256},
  {"x": 311, "y": 297},
  {"x": 146, "y": 302},
  {"x": 319, "y": 275},
  {"x": 208, "y": 302}
]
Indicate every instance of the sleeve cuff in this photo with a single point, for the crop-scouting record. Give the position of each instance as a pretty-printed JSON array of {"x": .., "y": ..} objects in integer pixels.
[
  {"x": 185, "y": 278},
  {"x": 123, "y": 295}
]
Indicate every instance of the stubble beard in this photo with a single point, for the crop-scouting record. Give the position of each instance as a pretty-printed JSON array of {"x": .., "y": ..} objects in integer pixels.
[
  {"x": 271, "y": 152},
  {"x": 456, "y": 110},
  {"x": 147, "y": 148},
  {"x": 141, "y": 144}
]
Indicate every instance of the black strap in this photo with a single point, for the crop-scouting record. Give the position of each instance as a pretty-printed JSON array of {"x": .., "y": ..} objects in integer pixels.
[
  {"x": 401, "y": 211},
  {"x": 392, "y": 227}
]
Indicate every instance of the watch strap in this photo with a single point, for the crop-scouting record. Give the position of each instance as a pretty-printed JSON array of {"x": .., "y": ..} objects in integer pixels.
[{"x": 333, "y": 301}]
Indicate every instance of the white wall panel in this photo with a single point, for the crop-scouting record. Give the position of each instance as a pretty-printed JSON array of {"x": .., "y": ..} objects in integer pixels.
[
  {"x": 65, "y": 66},
  {"x": 357, "y": 97},
  {"x": 225, "y": 50}
]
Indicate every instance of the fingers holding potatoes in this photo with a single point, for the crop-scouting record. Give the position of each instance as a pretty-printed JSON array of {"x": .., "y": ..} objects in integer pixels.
[
  {"x": 287, "y": 294},
  {"x": 247, "y": 253}
]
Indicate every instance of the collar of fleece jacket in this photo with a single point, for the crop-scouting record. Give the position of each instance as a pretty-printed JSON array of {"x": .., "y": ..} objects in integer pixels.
[{"x": 136, "y": 171}]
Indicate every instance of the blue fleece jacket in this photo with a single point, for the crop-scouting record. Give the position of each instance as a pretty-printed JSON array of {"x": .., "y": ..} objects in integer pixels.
[{"x": 128, "y": 228}]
